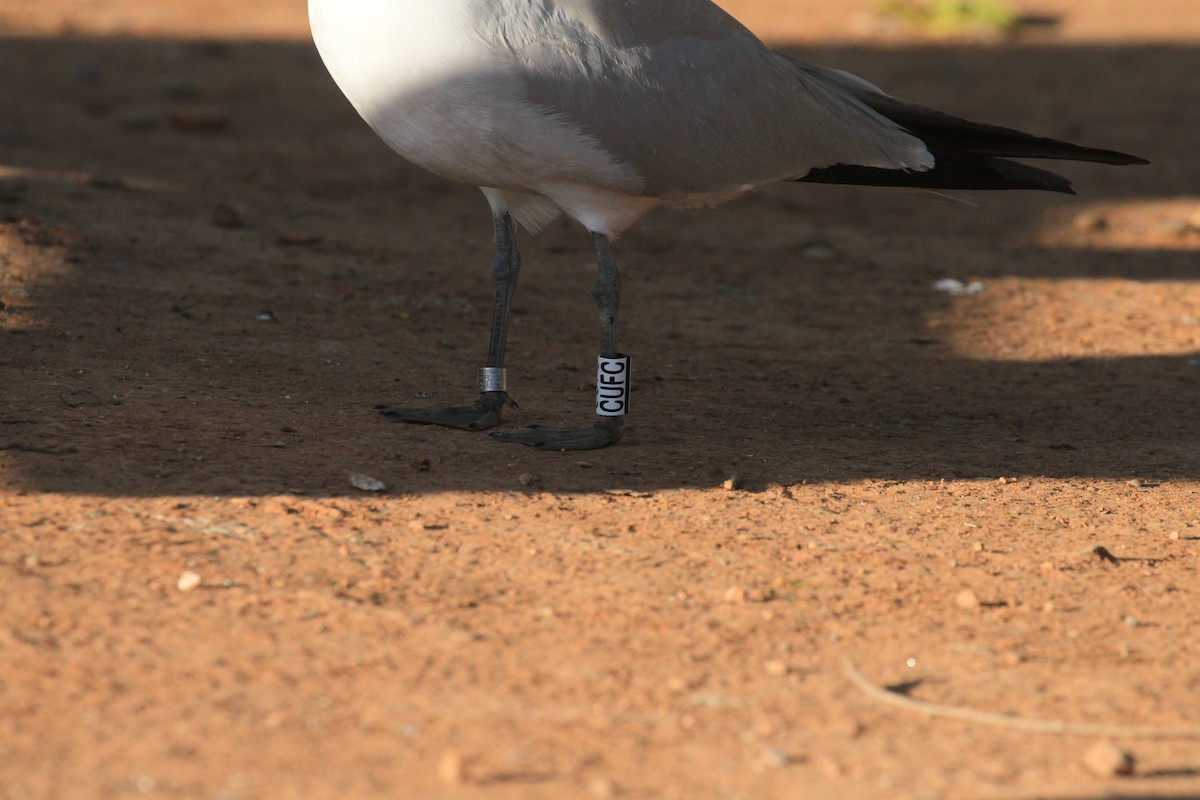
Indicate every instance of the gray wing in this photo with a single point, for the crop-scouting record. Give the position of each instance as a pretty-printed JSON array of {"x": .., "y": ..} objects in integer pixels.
[
  {"x": 632, "y": 23},
  {"x": 693, "y": 102}
]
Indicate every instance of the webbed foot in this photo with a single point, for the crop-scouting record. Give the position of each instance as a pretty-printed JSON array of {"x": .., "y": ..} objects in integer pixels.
[
  {"x": 605, "y": 431},
  {"x": 484, "y": 413}
]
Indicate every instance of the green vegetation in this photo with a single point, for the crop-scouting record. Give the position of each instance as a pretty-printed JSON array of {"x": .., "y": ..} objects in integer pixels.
[{"x": 952, "y": 17}]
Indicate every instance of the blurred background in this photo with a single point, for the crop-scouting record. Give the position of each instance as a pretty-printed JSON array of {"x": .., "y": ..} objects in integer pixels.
[{"x": 778, "y": 20}]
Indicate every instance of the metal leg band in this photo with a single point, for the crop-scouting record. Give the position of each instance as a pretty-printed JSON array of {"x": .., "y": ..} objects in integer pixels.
[{"x": 493, "y": 379}]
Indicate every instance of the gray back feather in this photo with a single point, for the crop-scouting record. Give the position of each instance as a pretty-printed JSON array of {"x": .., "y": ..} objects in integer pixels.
[{"x": 687, "y": 97}]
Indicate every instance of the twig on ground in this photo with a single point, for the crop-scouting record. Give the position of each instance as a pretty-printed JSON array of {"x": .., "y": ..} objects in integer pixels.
[
  {"x": 30, "y": 448},
  {"x": 1060, "y": 727}
]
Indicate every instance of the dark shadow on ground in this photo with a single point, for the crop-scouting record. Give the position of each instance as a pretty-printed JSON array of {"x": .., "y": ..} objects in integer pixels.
[{"x": 135, "y": 359}]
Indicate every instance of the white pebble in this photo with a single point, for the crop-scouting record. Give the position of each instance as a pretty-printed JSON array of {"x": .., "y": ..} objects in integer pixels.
[
  {"x": 956, "y": 288},
  {"x": 967, "y": 599},
  {"x": 189, "y": 581},
  {"x": 1107, "y": 760},
  {"x": 452, "y": 769},
  {"x": 602, "y": 788},
  {"x": 776, "y": 668},
  {"x": 366, "y": 483},
  {"x": 1091, "y": 221}
]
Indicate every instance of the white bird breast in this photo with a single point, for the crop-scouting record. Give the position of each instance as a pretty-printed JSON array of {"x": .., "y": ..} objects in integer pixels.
[
  {"x": 600, "y": 108},
  {"x": 429, "y": 78}
]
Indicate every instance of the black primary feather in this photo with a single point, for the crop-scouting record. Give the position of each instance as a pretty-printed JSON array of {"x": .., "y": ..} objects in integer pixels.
[{"x": 967, "y": 155}]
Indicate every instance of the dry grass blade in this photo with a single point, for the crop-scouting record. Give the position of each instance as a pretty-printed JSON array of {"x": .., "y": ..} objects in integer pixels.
[{"x": 1053, "y": 726}]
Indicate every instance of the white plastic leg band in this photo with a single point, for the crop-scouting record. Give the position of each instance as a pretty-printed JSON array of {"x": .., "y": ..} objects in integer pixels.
[
  {"x": 493, "y": 379},
  {"x": 612, "y": 386}
]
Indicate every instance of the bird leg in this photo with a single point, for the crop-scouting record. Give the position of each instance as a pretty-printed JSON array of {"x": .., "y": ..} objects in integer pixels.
[
  {"x": 485, "y": 411},
  {"x": 612, "y": 380}
]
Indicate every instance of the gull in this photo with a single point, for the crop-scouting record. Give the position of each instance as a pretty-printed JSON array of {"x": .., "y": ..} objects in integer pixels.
[{"x": 605, "y": 109}]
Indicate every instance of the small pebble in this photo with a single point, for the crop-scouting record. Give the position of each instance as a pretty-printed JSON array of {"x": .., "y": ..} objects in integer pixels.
[
  {"x": 1107, "y": 760},
  {"x": 366, "y": 483},
  {"x": 199, "y": 121},
  {"x": 776, "y": 668},
  {"x": 735, "y": 594},
  {"x": 732, "y": 484},
  {"x": 528, "y": 479},
  {"x": 761, "y": 595},
  {"x": 957, "y": 288},
  {"x": 136, "y": 121},
  {"x": 819, "y": 252},
  {"x": 1136, "y": 483},
  {"x": 1091, "y": 221},
  {"x": 266, "y": 315},
  {"x": 451, "y": 768},
  {"x": 774, "y": 758},
  {"x": 602, "y": 788},
  {"x": 189, "y": 581},
  {"x": 1175, "y": 227},
  {"x": 1099, "y": 552},
  {"x": 421, "y": 464},
  {"x": 226, "y": 215},
  {"x": 966, "y": 599}
]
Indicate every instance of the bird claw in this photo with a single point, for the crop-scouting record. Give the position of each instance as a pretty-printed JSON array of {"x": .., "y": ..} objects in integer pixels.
[
  {"x": 606, "y": 431},
  {"x": 484, "y": 413}
]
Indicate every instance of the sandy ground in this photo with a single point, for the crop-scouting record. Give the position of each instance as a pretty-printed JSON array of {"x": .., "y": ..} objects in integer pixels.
[{"x": 211, "y": 272}]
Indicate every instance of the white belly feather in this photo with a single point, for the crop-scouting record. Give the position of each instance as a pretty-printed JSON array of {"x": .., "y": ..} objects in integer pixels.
[{"x": 427, "y": 80}]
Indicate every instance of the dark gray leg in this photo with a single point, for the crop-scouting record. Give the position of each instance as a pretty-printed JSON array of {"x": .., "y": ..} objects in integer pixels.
[
  {"x": 485, "y": 411},
  {"x": 606, "y": 430}
]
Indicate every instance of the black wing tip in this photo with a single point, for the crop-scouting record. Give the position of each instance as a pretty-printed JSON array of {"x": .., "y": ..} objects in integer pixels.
[
  {"x": 955, "y": 171},
  {"x": 1096, "y": 155},
  {"x": 984, "y": 139}
]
